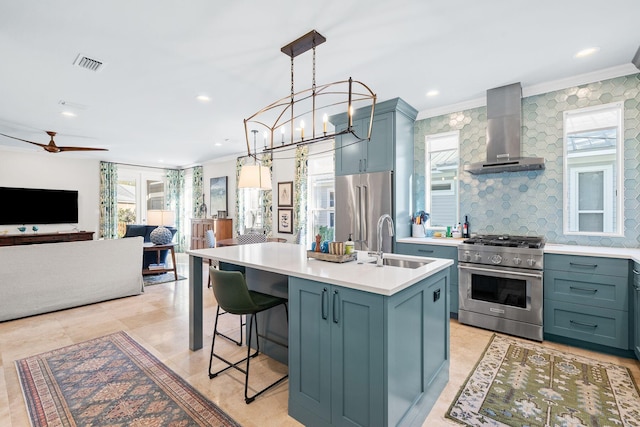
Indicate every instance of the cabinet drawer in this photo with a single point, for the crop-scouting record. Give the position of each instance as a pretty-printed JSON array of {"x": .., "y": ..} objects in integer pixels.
[
  {"x": 432, "y": 251},
  {"x": 589, "y": 289},
  {"x": 587, "y": 264},
  {"x": 591, "y": 324}
]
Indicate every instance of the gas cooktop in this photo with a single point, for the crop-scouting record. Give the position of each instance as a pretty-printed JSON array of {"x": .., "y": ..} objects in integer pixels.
[{"x": 534, "y": 242}]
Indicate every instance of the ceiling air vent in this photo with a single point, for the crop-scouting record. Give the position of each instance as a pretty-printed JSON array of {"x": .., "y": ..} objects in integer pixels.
[{"x": 87, "y": 63}]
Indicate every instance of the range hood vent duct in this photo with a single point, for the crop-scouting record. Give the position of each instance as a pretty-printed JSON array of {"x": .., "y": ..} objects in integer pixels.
[{"x": 504, "y": 127}]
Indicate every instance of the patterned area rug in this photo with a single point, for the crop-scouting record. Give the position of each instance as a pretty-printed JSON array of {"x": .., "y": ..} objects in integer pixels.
[
  {"x": 111, "y": 381},
  {"x": 520, "y": 383},
  {"x": 156, "y": 279}
]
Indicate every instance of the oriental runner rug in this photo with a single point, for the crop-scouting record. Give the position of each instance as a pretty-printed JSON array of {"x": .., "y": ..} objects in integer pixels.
[
  {"x": 111, "y": 381},
  {"x": 522, "y": 383}
]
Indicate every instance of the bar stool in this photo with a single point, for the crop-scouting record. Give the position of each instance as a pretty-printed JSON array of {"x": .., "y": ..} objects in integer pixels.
[{"x": 233, "y": 296}]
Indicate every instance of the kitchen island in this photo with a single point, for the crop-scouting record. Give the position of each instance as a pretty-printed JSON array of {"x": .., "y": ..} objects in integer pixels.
[{"x": 368, "y": 345}]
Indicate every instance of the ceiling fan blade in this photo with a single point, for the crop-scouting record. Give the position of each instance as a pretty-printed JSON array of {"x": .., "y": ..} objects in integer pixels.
[
  {"x": 24, "y": 140},
  {"x": 82, "y": 149},
  {"x": 51, "y": 147}
]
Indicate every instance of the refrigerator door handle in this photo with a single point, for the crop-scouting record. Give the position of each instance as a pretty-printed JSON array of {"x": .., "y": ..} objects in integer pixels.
[{"x": 363, "y": 213}]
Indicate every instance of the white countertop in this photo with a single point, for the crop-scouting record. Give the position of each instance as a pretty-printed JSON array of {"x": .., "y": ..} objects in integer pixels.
[
  {"x": 549, "y": 248},
  {"x": 291, "y": 260},
  {"x": 607, "y": 252},
  {"x": 442, "y": 241}
]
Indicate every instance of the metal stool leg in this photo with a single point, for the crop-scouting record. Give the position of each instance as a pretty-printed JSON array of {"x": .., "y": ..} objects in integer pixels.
[
  {"x": 242, "y": 324},
  {"x": 254, "y": 320},
  {"x": 213, "y": 354}
]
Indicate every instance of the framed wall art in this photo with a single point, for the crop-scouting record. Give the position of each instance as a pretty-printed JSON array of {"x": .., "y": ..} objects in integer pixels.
[
  {"x": 218, "y": 194},
  {"x": 285, "y": 221},
  {"x": 285, "y": 193}
]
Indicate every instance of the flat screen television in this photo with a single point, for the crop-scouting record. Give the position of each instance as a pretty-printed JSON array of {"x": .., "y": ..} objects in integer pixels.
[{"x": 38, "y": 206}]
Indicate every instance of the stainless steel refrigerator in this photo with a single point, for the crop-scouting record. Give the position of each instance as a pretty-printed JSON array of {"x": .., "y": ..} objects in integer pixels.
[{"x": 360, "y": 201}]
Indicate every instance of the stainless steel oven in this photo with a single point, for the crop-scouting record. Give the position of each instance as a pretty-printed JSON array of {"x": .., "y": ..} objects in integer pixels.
[{"x": 500, "y": 284}]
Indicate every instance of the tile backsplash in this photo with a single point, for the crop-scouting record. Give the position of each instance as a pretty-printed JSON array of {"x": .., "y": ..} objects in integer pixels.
[{"x": 531, "y": 203}]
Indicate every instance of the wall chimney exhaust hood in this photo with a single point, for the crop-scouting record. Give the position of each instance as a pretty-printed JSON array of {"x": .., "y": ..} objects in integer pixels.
[{"x": 504, "y": 126}]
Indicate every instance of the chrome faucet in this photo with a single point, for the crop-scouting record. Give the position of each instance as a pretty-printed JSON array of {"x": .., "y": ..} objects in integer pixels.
[{"x": 378, "y": 254}]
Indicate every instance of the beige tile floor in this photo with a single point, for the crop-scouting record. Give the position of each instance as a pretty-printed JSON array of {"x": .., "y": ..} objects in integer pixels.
[{"x": 158, "y": 320}]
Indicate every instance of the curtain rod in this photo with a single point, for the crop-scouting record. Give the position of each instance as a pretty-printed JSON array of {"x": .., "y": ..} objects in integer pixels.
[{"x": 150, "y": 167}]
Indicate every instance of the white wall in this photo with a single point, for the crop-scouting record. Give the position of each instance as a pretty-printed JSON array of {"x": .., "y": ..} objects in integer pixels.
[
  {"x": 283, "y": 170},
  {"x": 59, "y": 172},
  {"x": 223, "y": 167}
]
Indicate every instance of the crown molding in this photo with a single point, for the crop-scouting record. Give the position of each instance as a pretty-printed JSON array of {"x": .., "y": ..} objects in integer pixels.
[{"x": 577, "y": 80}]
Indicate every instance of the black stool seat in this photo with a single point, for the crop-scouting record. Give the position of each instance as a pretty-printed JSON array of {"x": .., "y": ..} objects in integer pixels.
[{"x": 234, "y": 297}]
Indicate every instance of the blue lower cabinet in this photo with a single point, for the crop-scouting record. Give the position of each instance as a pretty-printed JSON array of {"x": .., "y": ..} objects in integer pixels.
[
  {"x": 595, "y": 325},
  {"x": 586, "y": 301},
  {"x": 437, "y": 251},
  {"x": 355, "y": 357}
]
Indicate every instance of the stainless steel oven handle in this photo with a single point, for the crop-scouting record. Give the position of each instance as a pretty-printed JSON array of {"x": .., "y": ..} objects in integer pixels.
[{"x": 491, "y": 270}]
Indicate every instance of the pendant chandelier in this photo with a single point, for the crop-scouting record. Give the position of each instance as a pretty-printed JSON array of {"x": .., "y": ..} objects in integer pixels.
[
  {"x": 302, "y": 117},
  {"x": 255, "y": 175}
]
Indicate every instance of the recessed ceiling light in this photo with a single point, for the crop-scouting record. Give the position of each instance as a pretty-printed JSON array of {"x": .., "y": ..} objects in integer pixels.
[
  {"x": 586, "y": 52},
  {"x": 203, "y": 98},
  {"x": 218, "y": 144},
  {"x": 68, "y": 114},
  {"x": 433, "y": 92}
]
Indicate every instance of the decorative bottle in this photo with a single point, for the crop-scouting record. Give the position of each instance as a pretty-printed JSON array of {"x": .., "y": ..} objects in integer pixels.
[{"x": 465, "y": 227}]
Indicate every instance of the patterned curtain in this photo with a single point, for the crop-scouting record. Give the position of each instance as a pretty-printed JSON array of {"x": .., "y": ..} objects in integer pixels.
[
  {"x": 300, "y": 192},
  {"x": 240, "y": 211},
  {"x": 108, "y": 200},
  {"x": 175, "y": 201},
  {"x": 267, "y": 197},
  {"x": 199, "y": 207}
]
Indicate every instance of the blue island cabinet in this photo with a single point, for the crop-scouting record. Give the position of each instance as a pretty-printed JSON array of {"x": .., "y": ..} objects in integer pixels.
[
  {"x": 362, "y": 359},
  {"x": 635, "y": 289}
]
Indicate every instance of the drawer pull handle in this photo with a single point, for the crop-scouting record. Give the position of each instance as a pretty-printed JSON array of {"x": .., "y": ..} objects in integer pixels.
[
  {"x": 583, "y": 289},
  {"x": 588, "y": 325},
  {"x": 636, "y": 272},
  {"x": 426, "y": 251},
  {"x": 577, "y": 264}
]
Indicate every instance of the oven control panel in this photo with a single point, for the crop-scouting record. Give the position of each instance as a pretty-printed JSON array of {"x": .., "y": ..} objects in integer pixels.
[{"x": 508, "y": 257}]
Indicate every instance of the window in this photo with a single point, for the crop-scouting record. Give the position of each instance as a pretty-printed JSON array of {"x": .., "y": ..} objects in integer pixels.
[
  {"x": 593, "y": 170},
  {"x": 139, "y": 190},
  {"x": 251, "y": 202},
  {"x": 320, "y": 193},
  {"x": 441, "y": 178}
]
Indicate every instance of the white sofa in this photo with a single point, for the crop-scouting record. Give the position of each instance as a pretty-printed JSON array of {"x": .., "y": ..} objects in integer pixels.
[{"x": 41, "y": 278}]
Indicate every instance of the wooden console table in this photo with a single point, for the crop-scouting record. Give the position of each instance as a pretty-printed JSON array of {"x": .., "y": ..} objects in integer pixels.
[
  {"x": 150, "y": 247},
  {"x": 36, "y": 238}
]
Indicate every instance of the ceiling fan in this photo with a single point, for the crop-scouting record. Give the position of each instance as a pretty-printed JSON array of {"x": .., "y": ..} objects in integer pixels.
[{"x": 51, "y": 147}]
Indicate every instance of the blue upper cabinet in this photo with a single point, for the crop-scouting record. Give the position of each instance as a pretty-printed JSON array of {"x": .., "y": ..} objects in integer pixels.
[
  {"x": 390, "y": 147},
  {"x": 376, "y": 155}
]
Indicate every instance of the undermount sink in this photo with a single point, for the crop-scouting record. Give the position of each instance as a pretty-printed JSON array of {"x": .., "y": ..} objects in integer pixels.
[{"x": 404, "y": 263}]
